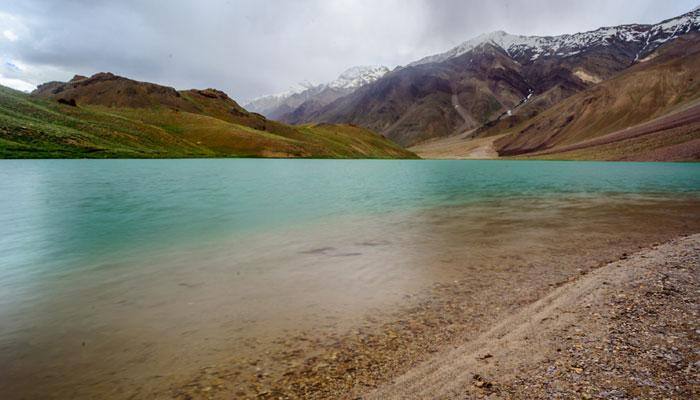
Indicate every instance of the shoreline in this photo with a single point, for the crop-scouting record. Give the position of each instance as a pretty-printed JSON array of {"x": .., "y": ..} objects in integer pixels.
[
  {"x": 627, "y": 329},
  {"x": 449, "y": 276},
  {"x": 425, "y": 352}
]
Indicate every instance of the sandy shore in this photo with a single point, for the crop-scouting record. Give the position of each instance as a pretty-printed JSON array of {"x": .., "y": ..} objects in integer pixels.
[
  {"x": 630, "y": 329},
  {"x": 614, "y": 329}
]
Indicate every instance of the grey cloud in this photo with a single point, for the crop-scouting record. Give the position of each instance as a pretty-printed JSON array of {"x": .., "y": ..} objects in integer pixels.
[{"x": 250, "y": 48}]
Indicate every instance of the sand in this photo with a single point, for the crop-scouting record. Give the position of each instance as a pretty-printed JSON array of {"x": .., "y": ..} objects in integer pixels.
[{"x": 628, "y": 329}]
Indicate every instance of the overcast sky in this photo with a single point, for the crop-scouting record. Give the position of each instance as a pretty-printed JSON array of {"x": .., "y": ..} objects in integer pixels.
[{"x": 256, "y": 47}]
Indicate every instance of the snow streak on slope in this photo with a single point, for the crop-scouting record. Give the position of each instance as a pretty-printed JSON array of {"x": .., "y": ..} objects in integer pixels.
[{"x": 530, "y": 48}]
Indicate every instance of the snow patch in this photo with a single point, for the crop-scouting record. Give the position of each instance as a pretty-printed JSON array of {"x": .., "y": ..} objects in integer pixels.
[
  {"x": 295, "y": 89},
  {"x": 356, "y": 77},
  {"x": 649, "y": 57}
]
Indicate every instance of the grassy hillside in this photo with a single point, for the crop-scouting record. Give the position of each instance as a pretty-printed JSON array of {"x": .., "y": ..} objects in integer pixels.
[{"x": 199, "y": 124}]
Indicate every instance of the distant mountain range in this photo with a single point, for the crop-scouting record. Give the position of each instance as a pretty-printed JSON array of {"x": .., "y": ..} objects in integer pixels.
[
  {"x": 497, "y": 81},
  {"x": 306, "y": 96},
  {"x": 106, "y": 115}
]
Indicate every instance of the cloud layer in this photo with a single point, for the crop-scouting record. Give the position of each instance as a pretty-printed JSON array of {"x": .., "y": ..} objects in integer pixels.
[{"x": 250, "y": 48}]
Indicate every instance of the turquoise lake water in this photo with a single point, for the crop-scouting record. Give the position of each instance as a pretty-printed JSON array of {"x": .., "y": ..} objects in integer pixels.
[
  {"x": 62, "y": 214},
  {"x": 163, "y": 266}
]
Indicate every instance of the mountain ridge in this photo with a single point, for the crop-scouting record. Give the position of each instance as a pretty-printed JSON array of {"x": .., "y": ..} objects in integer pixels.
[
  {"x": 494, "y": 77},
  {"x": 277, "y": 105},
  {"x": 541, "y": 46},
  {"x": 648, "y": 112}
]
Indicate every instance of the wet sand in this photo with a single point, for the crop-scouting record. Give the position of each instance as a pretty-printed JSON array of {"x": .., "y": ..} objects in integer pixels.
[{"x": 359, "y": 302}]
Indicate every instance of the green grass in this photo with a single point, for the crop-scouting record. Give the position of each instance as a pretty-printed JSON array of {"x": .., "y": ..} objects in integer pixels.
[{"x": 36, "y": 128}]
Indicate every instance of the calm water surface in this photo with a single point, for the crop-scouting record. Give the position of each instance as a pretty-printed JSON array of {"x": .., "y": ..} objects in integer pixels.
[
  {"x": 153, "y": 261},
  {"x": 59, "y": 215}
]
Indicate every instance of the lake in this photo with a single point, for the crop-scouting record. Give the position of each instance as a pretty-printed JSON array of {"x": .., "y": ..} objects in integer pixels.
[{"x": 125, "y": 277}]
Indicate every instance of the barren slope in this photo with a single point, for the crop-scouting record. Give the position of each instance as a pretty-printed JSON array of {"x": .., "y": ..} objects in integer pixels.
[
  {"x": 463, "y": 146},
  {"x": 664, "y": 83}
]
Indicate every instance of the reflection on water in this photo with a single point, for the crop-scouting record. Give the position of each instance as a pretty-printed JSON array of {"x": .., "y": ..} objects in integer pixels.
[{"x": 116, "y": 272}]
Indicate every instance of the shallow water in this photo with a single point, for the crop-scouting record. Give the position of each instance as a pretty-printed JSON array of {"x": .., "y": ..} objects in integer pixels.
[{"x": 113, "y": 271}]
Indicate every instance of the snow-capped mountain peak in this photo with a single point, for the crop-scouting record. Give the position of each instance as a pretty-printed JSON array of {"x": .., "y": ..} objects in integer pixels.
[
  {"x": 498, "y": 38},
  {"x": 354, "y": 77},
  {"x": 292, "y": 90},
  {"x": 530, "y": 48},
  {"x": 347, "y": 82}
]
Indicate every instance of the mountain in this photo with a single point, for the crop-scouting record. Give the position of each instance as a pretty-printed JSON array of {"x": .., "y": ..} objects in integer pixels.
[
  {"x": 110, "y": 116},
  {"x": 494, "y": 77},
  {"x": 650, "y": 111},
  {"x": 283, "y": 106},
  {"x": 274, "y": 105},
  {"x": 530, "y": 48}
]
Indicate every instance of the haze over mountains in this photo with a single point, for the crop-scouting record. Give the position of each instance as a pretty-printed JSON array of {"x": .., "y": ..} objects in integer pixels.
[
  {"x": 499, "y": 80},
  {"x": 310, "y": 97}
]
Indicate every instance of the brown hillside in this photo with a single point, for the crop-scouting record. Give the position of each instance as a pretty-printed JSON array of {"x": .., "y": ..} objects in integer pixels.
[
  {"x": 496, "y": 80},
  {"x": 477, "y": 89},
  {"x": 109, "y": 90},
  {"x": 661, "y": 83}
]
